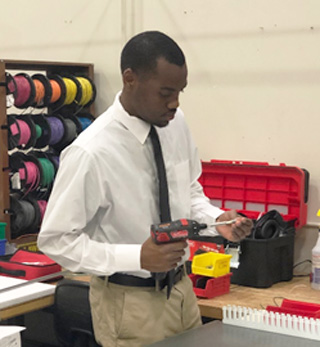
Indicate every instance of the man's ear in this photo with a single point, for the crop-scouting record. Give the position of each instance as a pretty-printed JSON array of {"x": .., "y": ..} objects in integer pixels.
[{"x": 128, "y": 77}]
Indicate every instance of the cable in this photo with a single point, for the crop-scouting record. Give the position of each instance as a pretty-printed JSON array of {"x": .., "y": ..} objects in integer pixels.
[
  {"x": 42, "y": 206},
  {"x": 70, "y": 130},
  {"x": 302, "y": 262},
  {"x": 48, "y": 172},
  {"x": 23, "y": 90},
  {"x": 56, "y": 91},
  {"x": 71, "y": 90},
  {"x": 57, "y": 130},
  {"x": 22, "y": 217},
  {"x": 25, "y": 132},
  {"x": 87, "y": 91},
  {"x": 85, "y": 122},
  {"x": 40, "y": 91},
  {"x": 38, "y": 131},
  {"x": 30, "y": 173}
]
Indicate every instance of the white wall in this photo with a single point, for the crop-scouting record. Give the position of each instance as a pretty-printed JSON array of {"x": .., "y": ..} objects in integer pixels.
[{"x": 254, "y": 69}]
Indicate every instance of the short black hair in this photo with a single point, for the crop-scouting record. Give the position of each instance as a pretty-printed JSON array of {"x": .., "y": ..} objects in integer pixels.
[{"x": 143, "y": 50}]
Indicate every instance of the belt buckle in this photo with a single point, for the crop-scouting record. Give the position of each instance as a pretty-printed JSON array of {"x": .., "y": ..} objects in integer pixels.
[
  {"x": 163, "y": 283},
  {"x": 179, "y": 274}
]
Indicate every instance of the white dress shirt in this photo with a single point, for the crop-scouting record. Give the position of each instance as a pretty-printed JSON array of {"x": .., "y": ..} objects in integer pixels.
[{"x": 105, "y": 194}]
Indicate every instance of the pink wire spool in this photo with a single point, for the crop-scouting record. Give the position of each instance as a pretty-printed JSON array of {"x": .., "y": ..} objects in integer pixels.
[
  {"x": 25, "y": 90},
  {"x": 42, "y": 206},
  {"x": 30, "y": 174},
  {"x": 13, "y": 132},
  {"x": 11, "y": 87},
  {"x": 29, "y": 169},
  {"x": 27, "y": 126}
]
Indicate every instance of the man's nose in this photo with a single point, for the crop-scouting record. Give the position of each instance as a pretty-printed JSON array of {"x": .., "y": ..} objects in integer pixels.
[{"x": 173, "y": 104}]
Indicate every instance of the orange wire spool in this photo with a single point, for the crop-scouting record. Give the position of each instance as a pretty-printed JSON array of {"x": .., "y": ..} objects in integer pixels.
[
  {"x": 56, "y": 91},
  {"x": 43, "y": 91},
  {"x": 40, "y": 91}
]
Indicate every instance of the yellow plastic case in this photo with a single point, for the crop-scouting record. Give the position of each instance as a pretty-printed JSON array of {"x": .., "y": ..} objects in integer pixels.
[{"x": 211, "y": 264}]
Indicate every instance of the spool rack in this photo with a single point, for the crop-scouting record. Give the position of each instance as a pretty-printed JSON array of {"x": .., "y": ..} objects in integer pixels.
[{"x": 49, "y": 68}]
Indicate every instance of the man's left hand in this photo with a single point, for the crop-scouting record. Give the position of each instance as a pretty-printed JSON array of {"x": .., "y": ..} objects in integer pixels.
[{"x": 236, "y": 231}]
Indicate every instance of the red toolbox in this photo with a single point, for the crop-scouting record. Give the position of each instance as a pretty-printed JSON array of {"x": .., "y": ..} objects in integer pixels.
[{"x": 253, "y": 189}]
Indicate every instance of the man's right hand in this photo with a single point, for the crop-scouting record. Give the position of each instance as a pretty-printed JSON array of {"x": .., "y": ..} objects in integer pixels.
[{"x": 163, "y": 257}]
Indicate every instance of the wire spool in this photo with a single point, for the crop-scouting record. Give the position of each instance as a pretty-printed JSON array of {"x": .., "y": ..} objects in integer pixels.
[
  {"x": 70, "y": 133},
  {"x": 58, "y": 91},
  {"x": 24, "y": 216},
  {"x": 11, "y": 85},
  {"x": 13, "y": 132},
  {"x": 34, "y": 227},
  {"x": 54, "y": 158},
  {"x": 11, "y": 90},
  {"x": 88, "y": 89},
  {"x": 76, "y": 121},
  {"x": 42, "y": 140},
  {"x": 42, "y": 208},
  {"x": 30, "y": 174},
  {"x": 48, "y": 172},
  {"x": 57, "y": 129},
  {"x": 25, "y": 90},
  {"x": 29, "y": 169},
  {"x": 73, "y": 90},
  {"x": 85, "y": 120},
  {"x": 43, "y": 90},
  {"x": 27, "y": 132}
]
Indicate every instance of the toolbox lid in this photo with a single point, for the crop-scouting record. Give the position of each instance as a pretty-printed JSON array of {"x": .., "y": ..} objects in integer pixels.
[{"x": 254, "y": 188}]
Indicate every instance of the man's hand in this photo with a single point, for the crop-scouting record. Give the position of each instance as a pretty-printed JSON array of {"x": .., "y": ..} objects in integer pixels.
[
  {"x": 163, "y": 257},
  {"x": 238, "y": 230}
]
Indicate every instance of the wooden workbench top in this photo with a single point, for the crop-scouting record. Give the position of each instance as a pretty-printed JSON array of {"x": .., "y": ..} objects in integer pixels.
[{"x": 297, "y": 289}]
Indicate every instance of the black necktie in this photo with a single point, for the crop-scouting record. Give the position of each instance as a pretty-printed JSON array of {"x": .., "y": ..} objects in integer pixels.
[{"x": 165, "y": 215}]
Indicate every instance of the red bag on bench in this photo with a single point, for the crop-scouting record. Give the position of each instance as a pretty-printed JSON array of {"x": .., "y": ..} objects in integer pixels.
[{"x": 28, "y": 265}]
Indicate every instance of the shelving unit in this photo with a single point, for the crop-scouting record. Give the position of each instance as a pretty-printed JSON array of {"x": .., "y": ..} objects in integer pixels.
[{"x": 48, "y": 68}]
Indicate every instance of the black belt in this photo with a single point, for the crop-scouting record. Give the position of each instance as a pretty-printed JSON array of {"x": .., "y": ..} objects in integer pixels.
[{"x": 134, "y": 281}]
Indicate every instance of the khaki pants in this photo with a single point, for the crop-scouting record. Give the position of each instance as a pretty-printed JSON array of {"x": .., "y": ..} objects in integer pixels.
[{"x": 126, "y": 316}]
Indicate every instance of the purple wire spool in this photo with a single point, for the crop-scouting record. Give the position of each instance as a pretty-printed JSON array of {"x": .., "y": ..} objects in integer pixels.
[{"x": 57, "y": 130}]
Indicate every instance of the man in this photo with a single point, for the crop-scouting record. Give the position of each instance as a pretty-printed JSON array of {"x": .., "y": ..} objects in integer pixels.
[{"x": 106, "y": 197}]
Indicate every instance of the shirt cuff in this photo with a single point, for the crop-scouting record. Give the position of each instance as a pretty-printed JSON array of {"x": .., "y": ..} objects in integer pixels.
[{"x": 127, "y": 258}]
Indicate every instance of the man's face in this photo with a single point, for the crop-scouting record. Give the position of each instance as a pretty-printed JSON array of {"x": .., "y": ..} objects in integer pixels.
[{"x": 155, "y": 97}]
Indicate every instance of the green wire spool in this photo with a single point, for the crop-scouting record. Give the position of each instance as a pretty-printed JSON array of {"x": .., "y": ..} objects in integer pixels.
[{"x": 48, "y": 172}]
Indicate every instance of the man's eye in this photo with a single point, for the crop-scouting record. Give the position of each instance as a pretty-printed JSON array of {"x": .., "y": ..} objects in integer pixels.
[{"x": 165, "y": 94}]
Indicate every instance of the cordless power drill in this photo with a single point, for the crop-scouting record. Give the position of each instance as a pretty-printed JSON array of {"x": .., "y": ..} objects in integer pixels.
[{"x": 177, "y": 230}]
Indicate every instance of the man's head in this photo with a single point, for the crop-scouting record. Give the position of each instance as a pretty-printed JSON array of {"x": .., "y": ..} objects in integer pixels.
[{"x": 154, "y": 72}]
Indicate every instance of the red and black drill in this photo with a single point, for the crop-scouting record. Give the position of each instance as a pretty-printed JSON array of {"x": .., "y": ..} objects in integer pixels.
[{"x": 177, "y": 230}]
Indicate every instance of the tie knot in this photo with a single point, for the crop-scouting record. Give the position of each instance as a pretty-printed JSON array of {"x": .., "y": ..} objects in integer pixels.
[
  {"x": 155, "y": 141},
  {"x": 153, "y": 132}
]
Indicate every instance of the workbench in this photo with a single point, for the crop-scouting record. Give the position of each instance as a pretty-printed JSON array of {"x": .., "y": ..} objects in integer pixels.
[
  {"x": 296, "y": 289},
  {"x": 35, "y": 304}
]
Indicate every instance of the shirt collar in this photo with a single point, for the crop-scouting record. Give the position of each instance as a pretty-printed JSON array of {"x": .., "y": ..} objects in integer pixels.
[{"x": 138, "y": 127}]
